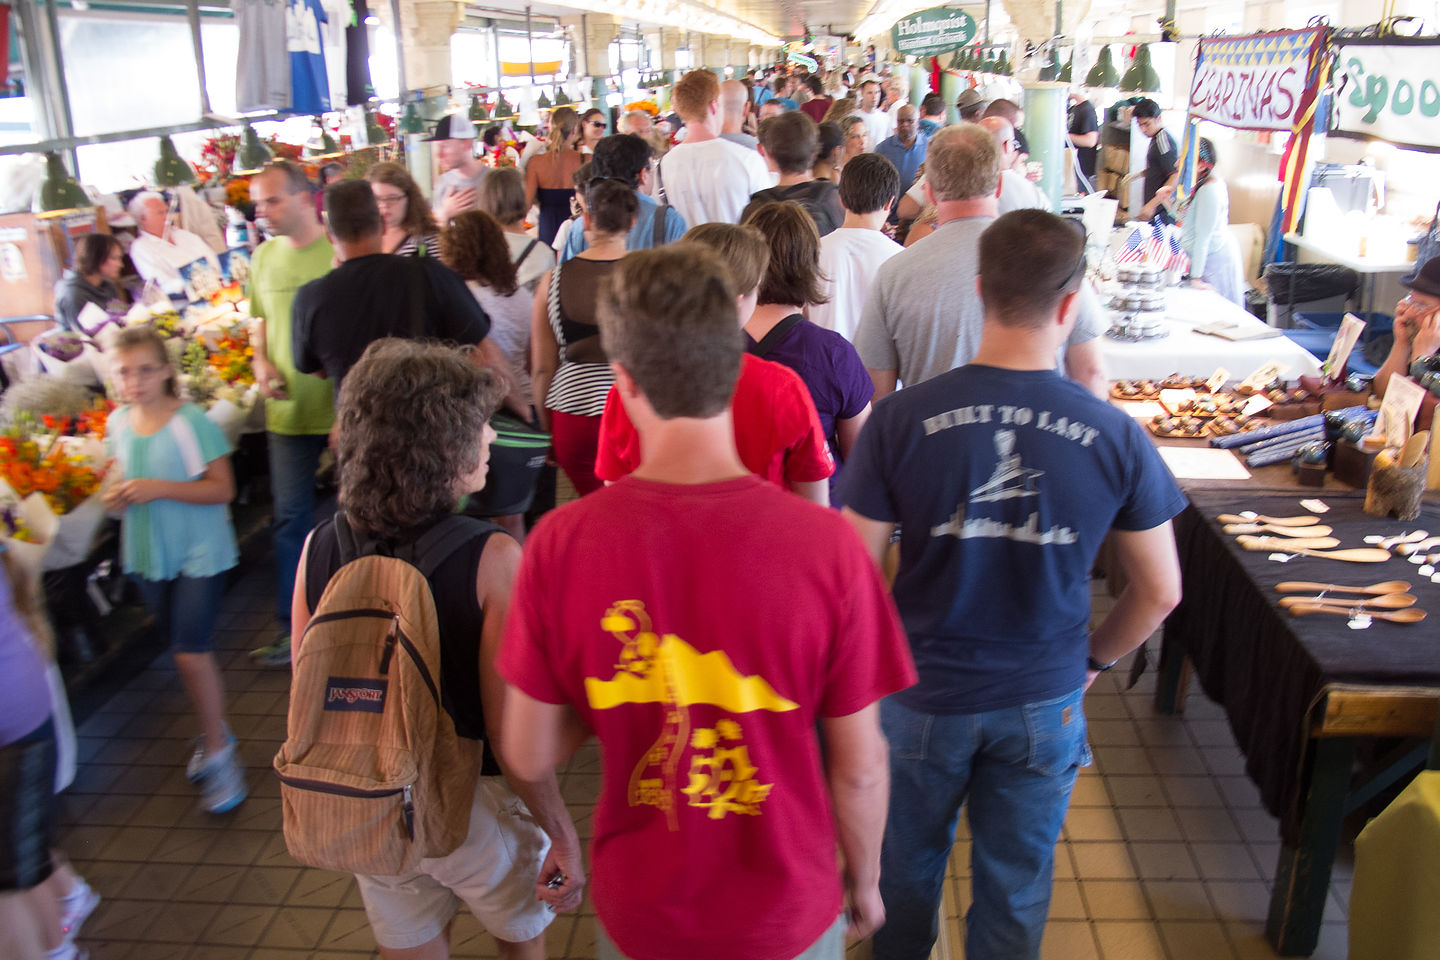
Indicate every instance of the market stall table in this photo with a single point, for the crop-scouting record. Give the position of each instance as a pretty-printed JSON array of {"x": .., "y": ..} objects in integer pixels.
[
  {"x": 1300, "y": 694},
  {"x": 1189, "y": 352},
  {"x": 1367, "y": 266}
]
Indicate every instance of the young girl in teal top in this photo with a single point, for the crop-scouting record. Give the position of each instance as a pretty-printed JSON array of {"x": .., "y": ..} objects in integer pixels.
[{"x": 177, "y": 542}]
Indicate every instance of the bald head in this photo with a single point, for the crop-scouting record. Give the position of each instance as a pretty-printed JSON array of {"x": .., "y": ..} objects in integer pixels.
[
  {"x": 1004, "y": 133},
  {"x": 733, "y": 97}
]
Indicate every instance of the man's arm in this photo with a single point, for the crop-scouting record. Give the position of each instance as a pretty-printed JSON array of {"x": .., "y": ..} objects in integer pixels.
[
  {"x": 541, "y": 789},
  {"x": 544, "y": 351},
  {"x": 1152, "y": 566},
  {"x": 1085, "y": 365},
  {"x": 858, "y": 773},
  {"x": 884, "y": 380},
  {"x": 816, "y": 491},
  {"x": 1085, "y": 139},
  {"x": 874, "y": 534}
]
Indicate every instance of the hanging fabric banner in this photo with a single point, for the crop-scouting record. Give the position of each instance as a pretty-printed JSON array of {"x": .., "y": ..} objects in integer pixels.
[
  {"x": 1257, "y": 82},
  {"x": 1389, "y": 89}
]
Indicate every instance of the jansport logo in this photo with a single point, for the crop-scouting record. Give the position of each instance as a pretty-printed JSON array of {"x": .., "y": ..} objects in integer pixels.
[{"x": 355, "y": 693}]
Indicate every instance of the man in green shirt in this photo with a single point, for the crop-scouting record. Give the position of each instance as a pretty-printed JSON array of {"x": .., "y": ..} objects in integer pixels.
[{"x": 299, "y": 408}]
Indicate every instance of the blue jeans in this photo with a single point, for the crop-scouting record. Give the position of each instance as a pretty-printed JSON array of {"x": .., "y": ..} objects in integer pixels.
[
  {"x": 187, "y": 607},
  {"x": 293, "y": 462},
  {"x": 1015, "y": 769}
]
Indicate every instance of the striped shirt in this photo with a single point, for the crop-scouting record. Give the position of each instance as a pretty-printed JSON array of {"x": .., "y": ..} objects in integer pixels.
[{"x": 578, "y": 388}]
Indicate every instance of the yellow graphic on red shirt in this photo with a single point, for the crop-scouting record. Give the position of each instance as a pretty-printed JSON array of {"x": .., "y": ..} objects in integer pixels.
[{"x": 668, "y": 671}]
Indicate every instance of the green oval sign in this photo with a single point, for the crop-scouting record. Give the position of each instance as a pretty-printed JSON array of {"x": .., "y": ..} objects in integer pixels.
[{"x": 929, "y": 33}]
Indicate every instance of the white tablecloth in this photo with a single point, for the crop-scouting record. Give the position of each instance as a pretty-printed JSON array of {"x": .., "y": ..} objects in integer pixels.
[{"x": 1194, "y": 354}]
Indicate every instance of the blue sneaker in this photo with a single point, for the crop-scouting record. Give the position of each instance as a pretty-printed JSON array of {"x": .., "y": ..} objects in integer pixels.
[
  {"x": 195, "y": 769},
  {"x": 224, "y": 786}
]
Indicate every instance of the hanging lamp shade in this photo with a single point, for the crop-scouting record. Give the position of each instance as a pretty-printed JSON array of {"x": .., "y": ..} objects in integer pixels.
[
  {"x": 503, "y": 110},
  {"x": 1067, "y": 72},
  {"x": 1103, "y": 74},
  {"x": 170, "y": 170},
  {"x": 410, "y": 120},
  {"x": 544, "y": 103},
  {"x": 1142, "y": 75},
  {"x": 478, "y": 113},
  {"x": 562, "y": 99},
  {"x": 253, "y": 154},
  {"x": 60, "y": 191},
  {"x": 1002, "y": 65}
]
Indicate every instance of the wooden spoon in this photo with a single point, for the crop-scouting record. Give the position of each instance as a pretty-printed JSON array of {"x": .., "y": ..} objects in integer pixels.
[
  {"x": 1355, "y": 555},
  {"x": 1277, "y": 521},
  {"x": 1388, "y": 601},
  {"x": 1315, "y": 531},
  {"x": 1308, "y": 543},
  {"x": 1414, "y": 449},
  {"x": 1412, "y": 615},
  {"x": 1405, "y": 549},
  {"x": 1374, "y": 589}
]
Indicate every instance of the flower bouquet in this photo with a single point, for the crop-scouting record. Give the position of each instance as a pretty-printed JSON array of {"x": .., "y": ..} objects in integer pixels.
[
  {"x": 217, "y": 376},
  {"x": 44, "y": 458}
]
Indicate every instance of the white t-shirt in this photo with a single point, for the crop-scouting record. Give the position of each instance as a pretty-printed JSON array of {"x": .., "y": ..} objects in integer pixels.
[
  {"x": 849, "y": 258},
  {"x": 1018, "y": 193},
  {"x": 711, "y": 181},
  {"x": 878, "y": 123},
  {"x": 157, "y": 260},
  {"x": 453, "y": 181}
]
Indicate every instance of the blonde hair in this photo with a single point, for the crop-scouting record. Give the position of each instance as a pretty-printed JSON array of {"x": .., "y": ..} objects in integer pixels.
[{"x": 564, "y": 121}]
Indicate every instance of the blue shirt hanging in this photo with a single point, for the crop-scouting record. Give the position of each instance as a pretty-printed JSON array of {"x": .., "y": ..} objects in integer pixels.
[{"x": 309, "y": 87}]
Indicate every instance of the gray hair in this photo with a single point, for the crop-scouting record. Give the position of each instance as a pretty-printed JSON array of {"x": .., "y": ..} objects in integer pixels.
[{"x": 136, "y": 206}]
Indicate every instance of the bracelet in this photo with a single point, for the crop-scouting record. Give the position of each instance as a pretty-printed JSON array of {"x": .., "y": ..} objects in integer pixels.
[{"x": 1093, "y": 664}]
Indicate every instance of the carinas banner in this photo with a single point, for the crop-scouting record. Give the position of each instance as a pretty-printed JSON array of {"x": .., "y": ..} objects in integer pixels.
[
  {"x": 1389, "y": 88},
  {"x": 1257, "y": 82}
]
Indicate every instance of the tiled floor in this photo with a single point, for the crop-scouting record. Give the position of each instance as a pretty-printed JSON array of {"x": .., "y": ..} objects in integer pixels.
[{"x": 1167, "y": 854}]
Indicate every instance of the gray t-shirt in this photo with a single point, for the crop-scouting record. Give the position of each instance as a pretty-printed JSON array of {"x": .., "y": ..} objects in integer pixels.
[
  {"x": 262, "y": 66},
  {"x": 452, "y": 180},
  {"x": 923, "y": 315},
  {"x": 744, "y": 139}
]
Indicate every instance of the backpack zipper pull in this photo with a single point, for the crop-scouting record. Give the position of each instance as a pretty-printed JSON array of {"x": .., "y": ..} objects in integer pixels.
[
  {"x": 407, "y": 809},
  {"x": 390, "y": 639}
]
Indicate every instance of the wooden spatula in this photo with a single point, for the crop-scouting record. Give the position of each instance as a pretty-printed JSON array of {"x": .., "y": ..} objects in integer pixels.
[
  {"x": 1306, "y": 521},
  {"x": 1281, "y": 545},
  {"x": 1388, "y": 601},
  {"x": 1303, "y": 543},
  {"x": 1319, "y": 530},
  {"x": 1412, "y": 615},
  {"x": 1374, "y": 589}
]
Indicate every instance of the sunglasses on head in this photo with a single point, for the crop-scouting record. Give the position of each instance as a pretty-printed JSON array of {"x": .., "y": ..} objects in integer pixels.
[{"x": 1079, "y": 268}]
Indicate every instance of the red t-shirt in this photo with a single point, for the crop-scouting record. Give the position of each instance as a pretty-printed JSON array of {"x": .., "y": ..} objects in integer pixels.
[
  {"x": 816, "y": 107},
  {"x": 777, "y": 430},
  {"x": 701, "y": 632}
]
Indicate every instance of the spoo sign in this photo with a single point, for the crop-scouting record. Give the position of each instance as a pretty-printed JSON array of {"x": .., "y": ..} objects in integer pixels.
[{"x": 929, "y": 33}]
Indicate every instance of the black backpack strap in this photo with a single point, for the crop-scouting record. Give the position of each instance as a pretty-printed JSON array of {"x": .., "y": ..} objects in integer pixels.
[
  {"x": 419, "y": 287},
  {"x": 442, "y": 540},
  {"x": 659, "y": 238},
  {"x": 526, "y": 252},
  {"x": 776, "y": 334},
  {"x": 346, "y": 542}
]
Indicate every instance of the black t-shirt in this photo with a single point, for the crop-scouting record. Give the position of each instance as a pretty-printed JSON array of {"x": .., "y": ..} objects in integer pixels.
[
  {"x": 820, "y": 198},
  {"x": 1083, "y": 120},
  {"x": 1160, "y": 162},
  {"x": 382, "y": 295},
  {"x": 458, "y": 615}
]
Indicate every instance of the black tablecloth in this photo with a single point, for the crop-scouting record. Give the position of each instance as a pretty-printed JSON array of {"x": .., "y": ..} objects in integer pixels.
[{"x": 1266, "y": 667}]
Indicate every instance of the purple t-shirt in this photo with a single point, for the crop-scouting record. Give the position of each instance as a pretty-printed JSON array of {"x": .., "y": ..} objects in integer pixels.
[
  {"x": 832, "y": 371},
  {"x": 23, "y": 688}
]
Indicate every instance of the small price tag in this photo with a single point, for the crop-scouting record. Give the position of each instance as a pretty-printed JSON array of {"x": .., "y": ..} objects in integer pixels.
[
  {"x": 1217, "y": 379},
  {"x": 1255, "y": 404},
  {"x": 1283, "y": 557},
  {"x": 1315, "y": 506},
  {"x": 1265, "y": 375}
]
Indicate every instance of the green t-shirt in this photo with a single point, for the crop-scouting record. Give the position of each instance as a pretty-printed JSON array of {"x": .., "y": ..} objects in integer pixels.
[{"x": 277, "y": 271}]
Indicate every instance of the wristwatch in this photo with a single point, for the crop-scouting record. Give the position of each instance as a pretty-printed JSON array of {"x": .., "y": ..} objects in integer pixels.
[{"x": 1093, "y": 664}]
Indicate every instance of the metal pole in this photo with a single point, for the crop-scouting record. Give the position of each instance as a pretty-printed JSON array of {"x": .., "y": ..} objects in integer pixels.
[
  {"x": 495, "y": 46},
  {"x": 1059, "y": 6},
  {"x": 585, "y": 41},
  {"x": 62, "y": 89},
  {"x": 32, "y": 57},
  {"x": 399, "y": 46},
  {"x": 530, "y": 40},
  {"x": 192, "y": 14},
  {"x": 987, "y": 23}
]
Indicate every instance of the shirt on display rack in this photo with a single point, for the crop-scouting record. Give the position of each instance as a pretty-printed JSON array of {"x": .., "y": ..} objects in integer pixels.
[{"x": 309, "y": 84}]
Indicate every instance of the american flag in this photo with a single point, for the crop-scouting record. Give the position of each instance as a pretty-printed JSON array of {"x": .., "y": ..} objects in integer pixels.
[
  {"x": 1131, "y": 252},
  {"x": 1155, "y": 246},
  {"x": 1178, "y": 257}
]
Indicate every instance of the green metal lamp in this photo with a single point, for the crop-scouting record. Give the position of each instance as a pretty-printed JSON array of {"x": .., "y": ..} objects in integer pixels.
[
  {"x": 1067, "y": 72},
  {"x": 170, "y": 170},
  {"x": 503, "y": 110},
  {"x": 1142, "y": 75},
  {"x": 478, "y": 111},
  {"x": 60, "y": 191},
  {"x": 544, "y": 103},
  {"x": 253, "y": 154},
  {"x": 374, "y": 133},
  {"x": 410, "y": 120},
  {"x": 1103, "y": 74},
  {"x": 562, "y": 99},
  {"x": 1051, "y": 70}
]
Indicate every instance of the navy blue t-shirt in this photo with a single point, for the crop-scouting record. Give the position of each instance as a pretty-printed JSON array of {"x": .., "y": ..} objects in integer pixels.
[
  {"x": 1004, "y": 483},
  {"x": 838, "y": 382}
]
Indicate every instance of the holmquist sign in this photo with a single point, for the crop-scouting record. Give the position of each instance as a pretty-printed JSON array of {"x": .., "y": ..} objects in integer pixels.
[{"x": 931, "y": 32}]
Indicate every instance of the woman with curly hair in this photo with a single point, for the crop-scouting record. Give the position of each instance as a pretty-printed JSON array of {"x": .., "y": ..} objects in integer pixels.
[
  {"x": 547, "y": 177},
  {"x": 474, "y": 246},
  {"x": 412, "y": 438},
  {"x": 404, "y": 211}
]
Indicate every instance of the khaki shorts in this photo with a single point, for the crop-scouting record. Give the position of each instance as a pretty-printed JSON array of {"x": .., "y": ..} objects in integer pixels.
[{"x": 493, "y": 873}]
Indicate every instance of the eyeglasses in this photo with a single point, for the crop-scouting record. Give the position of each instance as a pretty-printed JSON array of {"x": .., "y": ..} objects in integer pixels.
[
  {"x": 596, "y": 124},
  {"x": 390, "y": 199},
  {"x": 1079, "y": 268}
]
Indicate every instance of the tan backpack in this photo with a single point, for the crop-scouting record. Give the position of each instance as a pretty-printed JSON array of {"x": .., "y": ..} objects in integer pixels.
[{"x": 373, "y": 776}]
